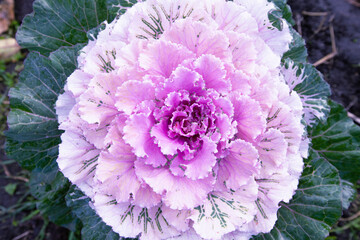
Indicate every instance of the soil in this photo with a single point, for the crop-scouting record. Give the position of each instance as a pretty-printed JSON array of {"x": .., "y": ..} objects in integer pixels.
[
  {"x": 11, "y": 227},
  {"x": 22, "y": 8},
  {"x": 341, "y": 71}
]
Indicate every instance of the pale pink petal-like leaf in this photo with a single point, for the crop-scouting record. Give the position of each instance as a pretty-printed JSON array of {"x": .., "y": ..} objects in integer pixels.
[
  {"x": 199, "y": 38},
  {"x": 224, "y": 212},
  {"x": 64, "y": 104},
  {"x": 131, "y": 93},
  {"x": 117, "y": 176},
  {"x": 137, "y": 132},
  {"x": 239, "y": 166},
  {"x": 249, "y": 118},
  {"x": 77, "y": 82},
  {"x": 131, "y": 220},
  {"x": 155, "y": 59},
  {"x": 213, "y": 72},
  {"x": 178, "y": 193},
  {"x": 77, "y": 159}
]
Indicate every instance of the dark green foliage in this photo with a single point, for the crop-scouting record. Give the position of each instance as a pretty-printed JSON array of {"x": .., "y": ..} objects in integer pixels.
[{"x": 338, "y": 141}]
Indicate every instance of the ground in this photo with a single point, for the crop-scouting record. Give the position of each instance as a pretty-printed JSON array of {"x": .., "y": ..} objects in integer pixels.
[
  {"x": 324, "y": 24},
  {"x": 342, "y": 71}
]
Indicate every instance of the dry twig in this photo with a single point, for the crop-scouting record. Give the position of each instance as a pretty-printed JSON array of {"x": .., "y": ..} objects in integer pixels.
[
  {"x": 352, "y": 103},
  {"x": 298, "y": 23},
  {"x": 314, "y": 14},
  {"x": 319, "y": 28},
  {"x": 354, "y": 2},
  {"x": 354, "y": 117},
  {"x": 333, "y": 46},
  {"x": 356, "y": 215},
  {"x": 8, "y": 175},
  {"x": 22, "y": 235},
  {"x": 323, "y": 19},
  {"x": 6, "y": 170}
]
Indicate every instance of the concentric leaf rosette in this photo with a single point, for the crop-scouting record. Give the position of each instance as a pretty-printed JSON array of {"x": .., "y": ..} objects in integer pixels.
[
  {"x": 179, "y": 120},
  {"x": 179, "y": 116}
]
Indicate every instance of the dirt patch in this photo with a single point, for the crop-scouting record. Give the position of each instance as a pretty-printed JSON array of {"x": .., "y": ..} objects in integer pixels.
[
  {"x": 20, "y": 205},
  {"x": 22, "y": 8},
  {"x": 342, "y": 72}
]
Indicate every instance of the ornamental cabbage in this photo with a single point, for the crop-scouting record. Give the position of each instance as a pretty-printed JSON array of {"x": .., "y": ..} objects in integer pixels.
[{"x": 181, "y": 122}]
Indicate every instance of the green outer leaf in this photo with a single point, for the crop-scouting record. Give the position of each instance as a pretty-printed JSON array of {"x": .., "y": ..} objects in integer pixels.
[
  {"x": 60, "y": 23},
  {"x": 118, "y": 7},
  {"x": 275, "y": 17},
  {"x": 29, "y": 153},
  {"x": 285, "y": 9},
  {"x": 313, "y": 83},
  {"x": 33, "y": 135},
  {"x": 54, "y": 24},
  {"x": 115, "y": 9},
  {"x": 315, "y": 207},
  {"x": 313, "y": 90},
  {"x": 94, "y": 227},
  {"x": 338, "y": 141},
  {"x": 50, "y": 186},
  {"x": 348, "y": 193},
  {"x": 297, "y": 52}
]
